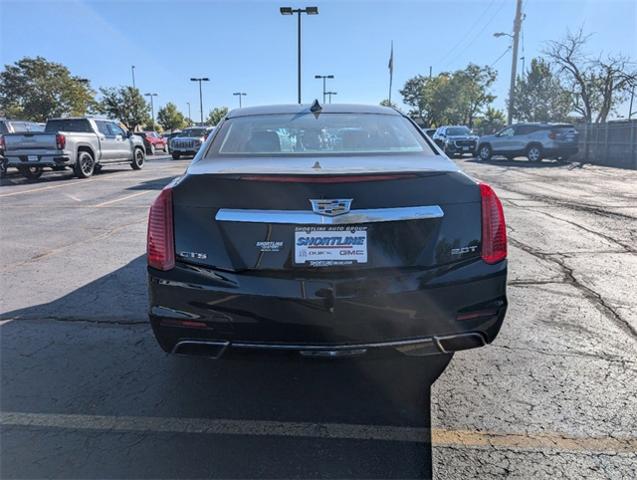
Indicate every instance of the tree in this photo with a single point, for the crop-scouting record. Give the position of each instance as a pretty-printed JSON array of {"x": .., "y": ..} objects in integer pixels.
[
  {"x": 170, "y": 118},
  {"x": 450, "y": 97},
  {"x": 597, "y": 84},
  {"x": 36, "y": 89},
  {"x": 540, "y": 96},
  {"x": 127, "y": 105},
  {"x": 215, "y": 115},
  {"x": 471, "y": 88},
  {"x": 492, "y": 121}
]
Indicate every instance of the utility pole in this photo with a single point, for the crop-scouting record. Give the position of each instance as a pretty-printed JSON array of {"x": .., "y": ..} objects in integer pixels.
[
  {"x": 430, "y": 71},
  {"x": 517, "y": 24},
  {"x": 189, "y": 116},
  {"x": 132, "y": 68}
]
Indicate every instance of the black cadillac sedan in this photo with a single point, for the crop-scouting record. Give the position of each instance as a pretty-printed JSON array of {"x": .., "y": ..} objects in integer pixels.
[{"x": 327, "y": 230}]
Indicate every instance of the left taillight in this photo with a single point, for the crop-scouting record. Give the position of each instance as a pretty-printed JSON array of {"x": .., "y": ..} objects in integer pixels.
[
  {"x": 494, "y": 233},
  {"x": 160, "y": 243},
  {"x": 60, "y": 141}
]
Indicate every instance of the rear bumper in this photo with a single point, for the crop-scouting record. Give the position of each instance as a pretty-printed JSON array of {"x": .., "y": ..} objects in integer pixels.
[
  {"x": 419, "y": 312},
  {"x": 43, "y": 161}
]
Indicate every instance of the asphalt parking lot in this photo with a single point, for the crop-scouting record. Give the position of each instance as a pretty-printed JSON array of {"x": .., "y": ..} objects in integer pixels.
[{"x": 86, "y": 393}]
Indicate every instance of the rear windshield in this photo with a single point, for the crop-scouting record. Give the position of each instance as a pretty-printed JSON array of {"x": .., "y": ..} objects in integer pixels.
[
  {"x": 68, "y": 125},
  {"x": 193, "y": 132},
  {"x": 458, "y": 131},
  {"x": 324, "y": 134}
]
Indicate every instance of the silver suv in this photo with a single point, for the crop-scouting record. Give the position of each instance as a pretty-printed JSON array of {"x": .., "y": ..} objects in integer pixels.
[{"x": 535, "y": 141}]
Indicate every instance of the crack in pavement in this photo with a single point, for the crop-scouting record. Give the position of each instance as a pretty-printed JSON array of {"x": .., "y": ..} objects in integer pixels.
[{"x": 589, "y": 293}]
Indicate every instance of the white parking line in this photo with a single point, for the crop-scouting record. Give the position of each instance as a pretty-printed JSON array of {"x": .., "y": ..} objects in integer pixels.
[
  {"x": 41, "y": 189},
  {"x": 122, "y": 198},
  {"x": 440, "y": 437}
]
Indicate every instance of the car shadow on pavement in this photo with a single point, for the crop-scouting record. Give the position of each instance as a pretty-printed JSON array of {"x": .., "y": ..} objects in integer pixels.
[
  {"x": 154, "y": 184},
  {"x": 89, "y": 356},
  {"x": 14, "y": 179}
]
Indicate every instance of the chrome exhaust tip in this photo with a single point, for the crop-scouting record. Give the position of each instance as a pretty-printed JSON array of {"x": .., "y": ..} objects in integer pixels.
[
  {"x": 200, "y": 348},
  {"x": 333, "y": 353},
  {"x": 461, "y": 341}
]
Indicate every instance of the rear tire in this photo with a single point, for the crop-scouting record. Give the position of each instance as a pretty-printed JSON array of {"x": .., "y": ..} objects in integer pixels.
[
  {"x": 484, "y": 153},
  {"x": 3, "y": 168},
  {"x": 85, "y": 165},
  {"x": 32, "y": 173},
  {"x": 176, "y": 156},
  {"x": 138, "y": 159},
  {"x": 534, "y": 153}
]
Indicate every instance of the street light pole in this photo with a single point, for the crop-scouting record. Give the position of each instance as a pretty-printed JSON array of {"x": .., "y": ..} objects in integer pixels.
[
  {"x": 152, "y": 106},
  {"x": 132, "y": 68},
  {"x": 201, "y": 79},
  {"x": 239, "y": 94},
  {"x": 329, "y": 95},
  {"x": 299, "y": 11},
  {"x": 189, "y": 115},
  {"x": 324, "y": 77}
]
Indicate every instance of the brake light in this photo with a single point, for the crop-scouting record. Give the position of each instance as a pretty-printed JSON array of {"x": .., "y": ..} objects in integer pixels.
[
  {"x": 552, "y": 135},
  {"x": 60, "y": 141},
  {"x": 494, "y": 235},
  {"x": 160, "y": 244}
]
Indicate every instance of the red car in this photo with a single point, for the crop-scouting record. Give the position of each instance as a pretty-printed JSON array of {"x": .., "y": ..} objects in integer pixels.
[{"x": 153, "y": 141}]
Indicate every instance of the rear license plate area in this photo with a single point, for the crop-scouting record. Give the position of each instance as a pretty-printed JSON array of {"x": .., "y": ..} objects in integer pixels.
[
  {"x": 33, "y": 158},
  {"x": 329, "y": 246}
]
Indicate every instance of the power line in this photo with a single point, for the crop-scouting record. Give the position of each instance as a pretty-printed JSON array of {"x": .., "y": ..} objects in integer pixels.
[
  {"x": 500, "y": 57},
  {"x": 467, "y": 33},
  {"x": 484, "y": 27}
]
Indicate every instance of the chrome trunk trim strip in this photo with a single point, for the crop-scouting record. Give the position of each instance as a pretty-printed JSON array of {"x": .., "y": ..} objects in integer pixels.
[{"x": 306, "y": 217}]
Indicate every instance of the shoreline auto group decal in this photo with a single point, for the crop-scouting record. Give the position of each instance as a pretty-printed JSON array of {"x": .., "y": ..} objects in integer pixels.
[{"x": 336, "y": 244}]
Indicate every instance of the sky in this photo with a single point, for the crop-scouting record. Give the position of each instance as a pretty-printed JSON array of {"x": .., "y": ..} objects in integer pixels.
[{"x": 249, "y": 47}]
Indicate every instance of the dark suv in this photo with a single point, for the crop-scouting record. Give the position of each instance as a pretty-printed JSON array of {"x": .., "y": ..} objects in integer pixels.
[
  {"x": 456, "y": 140},
  {"x": 535, "y": 141}
]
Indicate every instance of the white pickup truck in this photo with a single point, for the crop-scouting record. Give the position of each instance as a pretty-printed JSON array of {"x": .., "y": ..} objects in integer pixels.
[{"x": 84, "y": 144}]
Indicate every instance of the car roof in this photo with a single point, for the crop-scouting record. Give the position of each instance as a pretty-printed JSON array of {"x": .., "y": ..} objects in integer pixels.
[{"x": 305, "y": 108}]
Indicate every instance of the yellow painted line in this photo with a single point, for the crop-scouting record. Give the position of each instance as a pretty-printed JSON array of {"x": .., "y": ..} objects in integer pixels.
[
  {"x": 440, "y": 437},
  {"x": 133, "y": 195}
]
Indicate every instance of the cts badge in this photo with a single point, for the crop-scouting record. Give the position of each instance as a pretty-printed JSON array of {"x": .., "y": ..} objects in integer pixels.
[{"x": 331, "y": 207}]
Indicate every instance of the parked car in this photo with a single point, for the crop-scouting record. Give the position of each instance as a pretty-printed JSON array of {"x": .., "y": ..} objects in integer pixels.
[
  {"x": 187, "y": 143},
  {"x": 456, "y": 140},
  {"x": 14, "y": 126},
  {"x": 153, "y": 141},
  {"x": 373, "y": 242},
  {"x": 532, "y": 140},
  {"x": 84, "y": 144}
]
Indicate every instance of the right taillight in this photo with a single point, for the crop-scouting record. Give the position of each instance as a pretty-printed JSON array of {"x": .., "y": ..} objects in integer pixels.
[
  {"x": 160, "y": 244},
  {"x": 60, "y": 141},
  {"x": 494, "y": 235}
]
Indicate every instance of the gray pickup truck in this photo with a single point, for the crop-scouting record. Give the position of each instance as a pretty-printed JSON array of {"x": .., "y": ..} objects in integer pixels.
[{"x": 84, "y": 144}]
